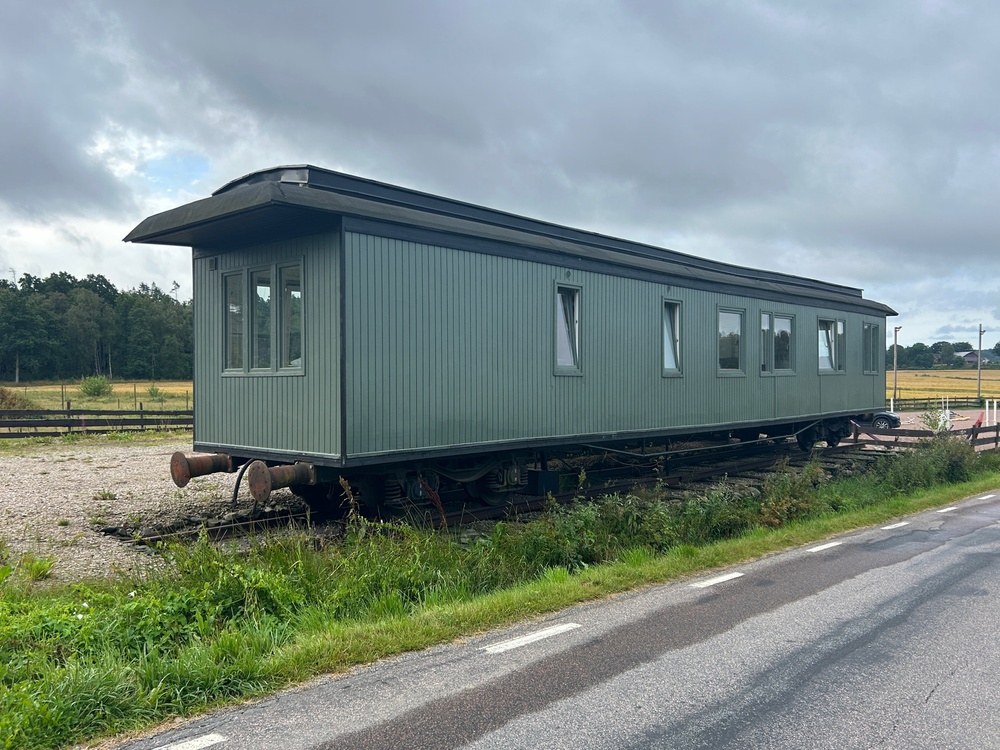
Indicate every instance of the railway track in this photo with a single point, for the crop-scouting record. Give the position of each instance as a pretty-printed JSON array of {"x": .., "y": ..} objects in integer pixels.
[{"x": 680, "y": 475}]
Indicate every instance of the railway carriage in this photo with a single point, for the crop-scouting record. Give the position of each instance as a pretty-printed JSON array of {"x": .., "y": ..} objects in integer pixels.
[{"x": 346, "y": 328}]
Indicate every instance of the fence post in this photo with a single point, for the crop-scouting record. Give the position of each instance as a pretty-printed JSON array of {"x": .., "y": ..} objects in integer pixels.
[{"x": 142, "y": 419}]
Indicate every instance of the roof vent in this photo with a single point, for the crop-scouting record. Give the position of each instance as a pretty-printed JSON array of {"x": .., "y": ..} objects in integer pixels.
[{"x": 295, "y": 177}]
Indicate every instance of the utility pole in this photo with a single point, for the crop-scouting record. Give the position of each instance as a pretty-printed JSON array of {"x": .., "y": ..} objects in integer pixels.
[
  {"x": 979, "y": 364},
  {"x": 895, "y": 362}
]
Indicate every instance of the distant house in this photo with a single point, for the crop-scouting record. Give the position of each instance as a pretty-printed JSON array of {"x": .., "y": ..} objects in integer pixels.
[{"x": 970, "y": 357}]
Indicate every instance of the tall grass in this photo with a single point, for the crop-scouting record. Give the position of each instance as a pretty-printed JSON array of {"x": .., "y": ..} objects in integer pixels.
[{"x": 228, "y": 622}]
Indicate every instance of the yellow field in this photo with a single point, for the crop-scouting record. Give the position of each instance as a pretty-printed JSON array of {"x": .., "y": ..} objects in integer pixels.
[
  {"x": 943, "y": 383},
  {"x": 169, "y": 395}
]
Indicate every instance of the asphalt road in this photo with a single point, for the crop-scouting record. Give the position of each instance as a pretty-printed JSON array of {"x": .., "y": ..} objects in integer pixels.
[{"x": 882, "y": 638}]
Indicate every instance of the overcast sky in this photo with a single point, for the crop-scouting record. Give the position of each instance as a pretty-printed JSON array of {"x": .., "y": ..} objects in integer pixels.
[{"x": 856, "y": 142}]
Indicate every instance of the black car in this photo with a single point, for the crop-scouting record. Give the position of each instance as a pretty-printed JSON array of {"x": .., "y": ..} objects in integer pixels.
[{"x": 885, "y": 420}]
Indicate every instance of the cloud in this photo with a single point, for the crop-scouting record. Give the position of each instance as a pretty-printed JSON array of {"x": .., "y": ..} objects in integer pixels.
[{"x": 850, "y": 143}]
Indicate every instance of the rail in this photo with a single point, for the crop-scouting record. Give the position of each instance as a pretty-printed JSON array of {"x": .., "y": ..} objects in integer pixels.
[
  {"x": 934, "y": 403},
  {"x": 982, "y": 438},
  {"x": 29, "y": 423}
]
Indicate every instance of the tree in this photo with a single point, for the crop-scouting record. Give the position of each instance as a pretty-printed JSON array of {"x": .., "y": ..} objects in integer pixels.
[{"x": 920, "y": 357}]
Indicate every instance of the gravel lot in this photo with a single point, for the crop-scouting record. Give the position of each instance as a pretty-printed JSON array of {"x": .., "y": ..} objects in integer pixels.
[{"x": 54, "y": 499}]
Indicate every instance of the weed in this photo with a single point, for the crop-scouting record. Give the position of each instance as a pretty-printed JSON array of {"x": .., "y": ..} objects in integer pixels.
[
  {"x": 36, "y": 568},
  {"x": 105, "y": 496},
  {"x": 62, "y": 522}
]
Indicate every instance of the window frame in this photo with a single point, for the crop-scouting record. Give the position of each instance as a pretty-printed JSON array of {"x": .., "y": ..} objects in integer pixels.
[
  {"x": 227, "y": 323},
  {"x": 769, "y": 360},
  {"x": 558, "y": 328},
  {"x": 670, "y": 310},
  {"x": 740, "y": 370},
  {"x": 870, "y": 357},
  {"x": 836, "y": 348},
  {"x": 278, "y": 314}
]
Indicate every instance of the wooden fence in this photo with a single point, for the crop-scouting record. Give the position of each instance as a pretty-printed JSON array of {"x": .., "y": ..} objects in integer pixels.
[
  {"x": 982, "y": 438},
  {"x": 935, "y": 403},
  {"x": 24, "y": 423}
]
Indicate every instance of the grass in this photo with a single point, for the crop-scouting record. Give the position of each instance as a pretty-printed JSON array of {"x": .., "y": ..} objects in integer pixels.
[
  {"x": 229, "y": 622},
  {"x": 944, "y": 383},
  {"x": 126, "y": 395}
]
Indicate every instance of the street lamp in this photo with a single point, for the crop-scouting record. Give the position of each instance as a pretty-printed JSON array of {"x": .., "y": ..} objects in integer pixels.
[
  {"x": 895, "y": 362},
  {"x": 979, "y": 364}
]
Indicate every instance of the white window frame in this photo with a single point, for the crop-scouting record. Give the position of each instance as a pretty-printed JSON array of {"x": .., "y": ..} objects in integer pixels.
[
  {"x": 740, "y": 343},
  {"x": 566, "y": 351},
  {"x": 670, "y": 338}
]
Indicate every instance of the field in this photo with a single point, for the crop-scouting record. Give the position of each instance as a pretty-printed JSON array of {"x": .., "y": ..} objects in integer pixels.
[
  {"x": 177, "y": 394},
  {"x": 943, "y": 383},
  {"x": 152, "y": 395}
]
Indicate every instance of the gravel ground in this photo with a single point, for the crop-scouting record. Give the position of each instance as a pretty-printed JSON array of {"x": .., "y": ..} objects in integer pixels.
[{"x": 54, "y": 499}]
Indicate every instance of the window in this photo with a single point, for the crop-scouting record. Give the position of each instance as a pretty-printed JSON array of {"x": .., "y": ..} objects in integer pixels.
[
  {"x": 260, "y": 320},
  {"x": 671, "y": 338},
  {"x": 291, "y": 316},
  {"x": 567, "y": 329},
  {"x": 730, "y": 330},
  {"x": 783, "y": 344},
  {"x": 831, "y": 345},
  {"x": 233, "y": 321},
  {"x": 263, "y": 320},
  {"x": 874, "y": 351},
  {"x": 775, "y": 343},
  {"x": 765, "y": 343}
]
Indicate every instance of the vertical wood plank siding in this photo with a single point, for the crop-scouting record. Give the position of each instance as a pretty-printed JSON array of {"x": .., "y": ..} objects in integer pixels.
[
  {"x": 451, "y": 348},
  {"x": 281, "y": 413}
]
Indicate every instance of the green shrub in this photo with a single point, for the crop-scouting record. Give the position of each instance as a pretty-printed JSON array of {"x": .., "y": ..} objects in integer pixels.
[{"x": 96, "y": 386}]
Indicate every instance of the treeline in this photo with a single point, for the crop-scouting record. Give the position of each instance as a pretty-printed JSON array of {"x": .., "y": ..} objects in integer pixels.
[
  {"x": 65, "y": 328},
  {"x": 941, "y": 353}
]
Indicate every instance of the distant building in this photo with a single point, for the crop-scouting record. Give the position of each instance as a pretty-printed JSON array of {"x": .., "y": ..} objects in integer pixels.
[{"x": 970, "y": 357}]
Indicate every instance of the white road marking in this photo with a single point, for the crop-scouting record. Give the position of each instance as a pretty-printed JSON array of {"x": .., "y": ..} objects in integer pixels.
[
  {"x": 713, "y": 581},
  {"x": 822, "y": 547},
  {"x": 948, "y": 510},
  {"x": 524, "y": 640},
  {"x": 896, "y": 525},
  {"x": 987, "y": 497},
  {"x": 206, "y": 740}
]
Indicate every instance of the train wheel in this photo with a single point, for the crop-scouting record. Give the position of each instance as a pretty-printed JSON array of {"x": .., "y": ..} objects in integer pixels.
[{"x": 807, "y": 439}]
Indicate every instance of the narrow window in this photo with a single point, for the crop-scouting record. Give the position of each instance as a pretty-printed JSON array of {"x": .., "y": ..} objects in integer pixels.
[
  {"x": 291, "y": 316},
  {"x": 873, "y": 351},
  {"x": 765, "y": 342},
  {"x": 782, "y": 344},
  {"x": 671, "y": 337},
  {"x": 260, "y": 320},
  {"x": 567, "y": 328},
  {"x": 831, "y": 345},
  {"x": 234, "y": 321},
  {"x": 730, "y": 328}
]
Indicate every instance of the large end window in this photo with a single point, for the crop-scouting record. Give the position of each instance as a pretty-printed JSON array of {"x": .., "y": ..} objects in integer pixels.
[
  {"x": 730, "y": 332},
  {"x": 263, "y": 320},
  {"x": 233, "y": 321},
  {"x": 671, "y": 338},
  {"x": 874, "y": 349},
  {"x": 831, "y": 345},
  {"x": 260, "y": 320},
  {"x": 567, "y": 330}
]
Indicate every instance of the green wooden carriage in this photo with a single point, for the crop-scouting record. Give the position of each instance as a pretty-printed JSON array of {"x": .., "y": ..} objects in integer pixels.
[{"x": 375, "y": 332}]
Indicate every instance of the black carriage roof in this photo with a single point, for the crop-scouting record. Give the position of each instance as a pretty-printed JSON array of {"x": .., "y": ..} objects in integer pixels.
[{"x": 288, "y": 201}]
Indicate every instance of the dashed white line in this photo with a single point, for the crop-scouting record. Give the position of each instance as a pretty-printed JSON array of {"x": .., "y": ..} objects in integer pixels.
[
  {"x": 717, "y": 579},
  {"x": 822, "y": 547},
  {"x": 896, "y": 525},
  {"x": 948, "y": 510},
  {"x": 206, "y": 740},
  {"x": 524, "y": 640}
]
